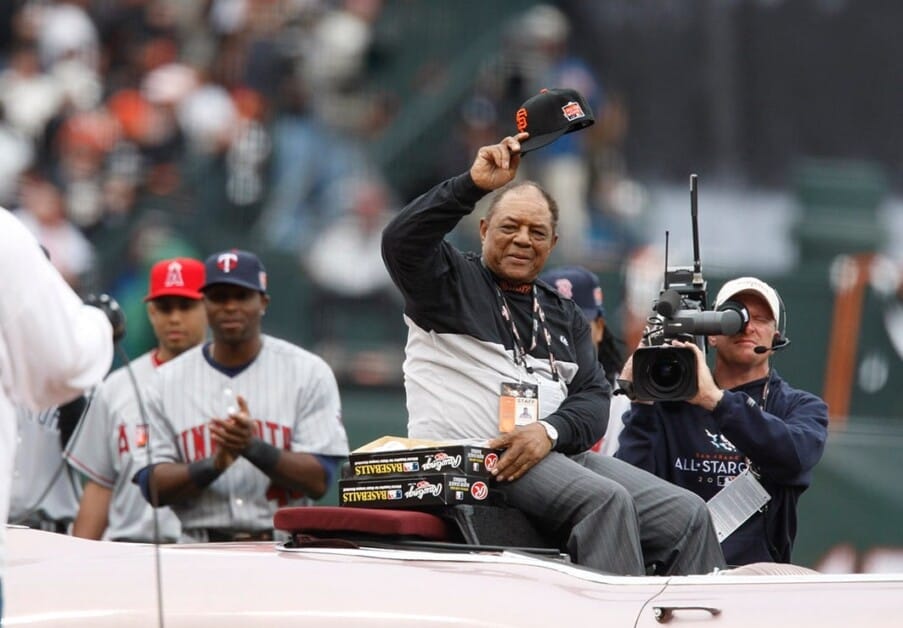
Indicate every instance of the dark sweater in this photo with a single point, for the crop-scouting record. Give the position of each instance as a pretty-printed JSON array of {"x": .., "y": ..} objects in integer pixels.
[{"x": 460, "y": 349}]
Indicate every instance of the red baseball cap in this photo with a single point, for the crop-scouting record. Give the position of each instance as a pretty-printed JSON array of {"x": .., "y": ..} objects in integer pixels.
[{"x": 176, "y": 277}]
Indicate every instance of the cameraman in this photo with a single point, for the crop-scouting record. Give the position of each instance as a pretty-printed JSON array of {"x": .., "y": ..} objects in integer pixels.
[{"x": 744, "y": 416}]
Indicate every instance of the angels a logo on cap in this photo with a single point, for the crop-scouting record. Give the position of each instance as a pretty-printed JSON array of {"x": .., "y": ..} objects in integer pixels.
[
  {"x": 173, "y": 275},
  {"x": 227, "y": 261}
]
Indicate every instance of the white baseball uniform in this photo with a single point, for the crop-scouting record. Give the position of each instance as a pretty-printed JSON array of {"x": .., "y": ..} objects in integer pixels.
[
  {"x": 110, "y": 446},
  {"x": 53, "y": 347},
  {"x": 43, "y": 488},
  {"x": 293, "y": 396}
]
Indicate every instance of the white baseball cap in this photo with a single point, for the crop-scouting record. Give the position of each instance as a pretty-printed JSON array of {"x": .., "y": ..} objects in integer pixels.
[{"x": 756, "y": 286}]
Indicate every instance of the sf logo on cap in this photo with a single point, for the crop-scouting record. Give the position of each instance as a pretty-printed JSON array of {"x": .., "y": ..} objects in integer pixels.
[
  {"x": 227, "y": 261},
  {"x": 521, "y": 119},
  {"x": 173, "y": 275}
]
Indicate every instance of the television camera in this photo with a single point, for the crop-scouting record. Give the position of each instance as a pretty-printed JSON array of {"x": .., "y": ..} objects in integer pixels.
[{"x": 662, "y": 372}]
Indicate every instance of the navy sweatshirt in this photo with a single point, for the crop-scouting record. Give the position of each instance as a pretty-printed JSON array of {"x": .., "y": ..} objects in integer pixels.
[{"x": 701, "y": 451}]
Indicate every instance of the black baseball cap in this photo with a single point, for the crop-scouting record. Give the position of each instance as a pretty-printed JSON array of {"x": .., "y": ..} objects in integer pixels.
[
  {"x": 236, "y": 267},
  {"x": 550, "y": 114}
]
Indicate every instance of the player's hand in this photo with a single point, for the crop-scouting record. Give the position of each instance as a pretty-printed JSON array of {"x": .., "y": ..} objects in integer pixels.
[
  {"x": 223, "y": 458},
  {"x": 235, "y": 432},
  {"x": 708, "y": 394},
  {"x": 524, "y": 447},
  {"x": 497, "y": 164}
]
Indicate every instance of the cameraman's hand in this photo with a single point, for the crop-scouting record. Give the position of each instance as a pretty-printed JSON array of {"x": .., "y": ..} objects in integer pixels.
[
  {"x": 110, "y": 307},
  {"x": 627, "y": 370},
  {"x": 708, "y": 394},
  {"x": 625, "y": 379},
  {"x": 524, "y": 447}
]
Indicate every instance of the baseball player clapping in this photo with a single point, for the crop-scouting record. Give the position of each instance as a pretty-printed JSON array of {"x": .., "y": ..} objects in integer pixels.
[{"x": 225, "y": 464}]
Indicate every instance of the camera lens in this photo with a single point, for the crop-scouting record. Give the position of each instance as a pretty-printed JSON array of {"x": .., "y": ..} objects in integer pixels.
[
  {"x": 667, "y": 373},
  {"x": 664, "y": 373}
]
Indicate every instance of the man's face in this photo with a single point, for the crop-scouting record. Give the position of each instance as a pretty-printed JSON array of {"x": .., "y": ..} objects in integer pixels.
[
  {"x": 234, "y": 312},
  {"x": 179, "y": 323},
  {"x": 740, "y": 348},
  {"x": 518, "y": 236}
]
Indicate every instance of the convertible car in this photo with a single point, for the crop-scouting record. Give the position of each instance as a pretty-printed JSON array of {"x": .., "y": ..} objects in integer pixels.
[{"x": 359, "y": 567}]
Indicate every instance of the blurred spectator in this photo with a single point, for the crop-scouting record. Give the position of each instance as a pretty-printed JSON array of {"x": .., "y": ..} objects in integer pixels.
[
  {"x": 151, "y": 239},
  {"x": 43, "y": 212},
  {"x": 335, "y": 61},
  {"x": 477, "y": 125},
  {"x": 83, "y": 142},
  {"x": 64, "y": 31},
  {"x": 310, "y": 164},
  {"x": 18, "y": 154},
  {"x": 346, "y": 258},
  {"x": 616, "y": 201},
  {"x": 30, "y": 98},
  {"x": 541, "y": 58},
  {"x": 227, "y": 149},
  {"x": 353, "y": 302},
  {"x": 643, "y": 272},
  {"x": 164, "y": 89}
]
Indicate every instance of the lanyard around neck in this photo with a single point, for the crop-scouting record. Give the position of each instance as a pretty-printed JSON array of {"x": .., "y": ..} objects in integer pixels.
[{"x": 538, "y": 318}]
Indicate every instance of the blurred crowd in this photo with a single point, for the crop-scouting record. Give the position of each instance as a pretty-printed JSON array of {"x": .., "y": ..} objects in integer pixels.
[{"x": 134, "y": 130}]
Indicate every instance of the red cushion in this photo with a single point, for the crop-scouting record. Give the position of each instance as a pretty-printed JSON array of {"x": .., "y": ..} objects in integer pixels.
[{"x": 375, "y": 521}]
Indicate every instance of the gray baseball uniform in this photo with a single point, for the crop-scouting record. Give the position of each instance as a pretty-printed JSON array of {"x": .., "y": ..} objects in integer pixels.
[
  {"x": 293, "y": 396},
  {"x": 38, "y": 474},
  {"x": 110, "y": 446}
]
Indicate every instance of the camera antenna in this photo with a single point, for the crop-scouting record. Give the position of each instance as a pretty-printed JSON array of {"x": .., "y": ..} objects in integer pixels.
[
  {"x": 694, "y": 212},
  {"x": 665, "y": 282}
]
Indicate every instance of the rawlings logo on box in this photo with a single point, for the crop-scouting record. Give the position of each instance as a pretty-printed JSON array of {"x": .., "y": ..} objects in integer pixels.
[
  {"x": 467, "y": 459},
  {"x": 429, "y": 489}
]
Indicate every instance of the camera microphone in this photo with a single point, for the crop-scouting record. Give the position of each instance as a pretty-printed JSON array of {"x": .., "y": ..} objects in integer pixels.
[
  {"x": 777, "y": 345},
  {"x": 668, "y": 303}
]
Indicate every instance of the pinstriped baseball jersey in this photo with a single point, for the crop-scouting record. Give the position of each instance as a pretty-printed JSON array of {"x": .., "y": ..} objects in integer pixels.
[
  {"x": 38, "y": 458},
  {"x": 110, "y": 446},
  {"x": 291, "y": 394}
]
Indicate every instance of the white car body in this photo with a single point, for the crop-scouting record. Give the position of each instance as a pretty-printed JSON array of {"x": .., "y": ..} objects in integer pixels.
[{"x": 61, "y": 581}]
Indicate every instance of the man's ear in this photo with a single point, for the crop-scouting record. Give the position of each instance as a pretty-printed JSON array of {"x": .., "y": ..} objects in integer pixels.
[{"x": 484, "y": 227}]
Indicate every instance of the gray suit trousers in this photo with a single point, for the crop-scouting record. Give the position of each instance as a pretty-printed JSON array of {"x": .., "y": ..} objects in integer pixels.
[{"x": 613, "y": 517}]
